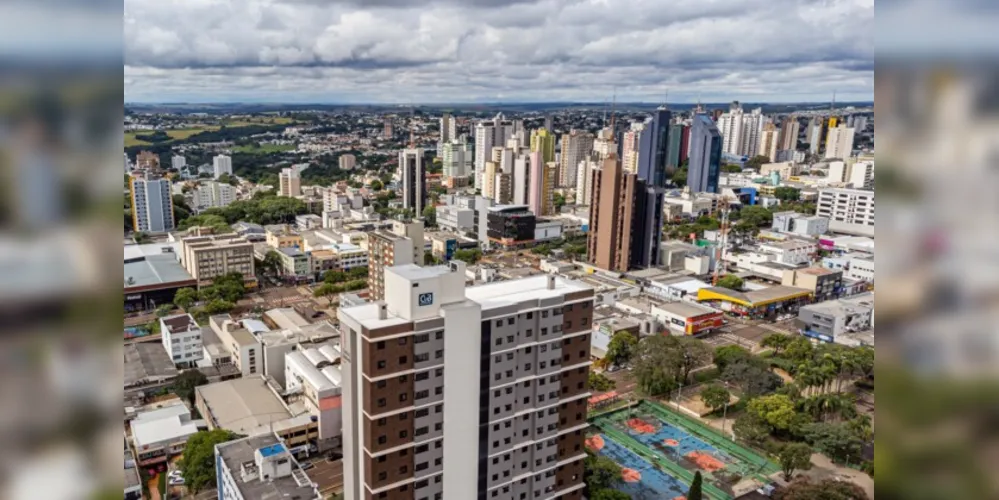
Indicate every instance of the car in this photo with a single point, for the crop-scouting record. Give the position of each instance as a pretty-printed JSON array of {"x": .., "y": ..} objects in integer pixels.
[{"x": 307, "y": 465}]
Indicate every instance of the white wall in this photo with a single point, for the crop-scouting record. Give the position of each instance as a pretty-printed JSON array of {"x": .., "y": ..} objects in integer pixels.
[{"x": 461, "y": 399}]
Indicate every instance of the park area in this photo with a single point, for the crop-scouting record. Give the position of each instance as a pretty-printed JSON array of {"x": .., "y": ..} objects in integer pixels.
[{"x": 659, "y": 452}]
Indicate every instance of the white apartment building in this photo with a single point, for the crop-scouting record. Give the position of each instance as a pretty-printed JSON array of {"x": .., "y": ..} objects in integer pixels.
[
  {"x": 178, "y": 162},
  {"x": 801, "y": 224},
  {"x": 181, "y": 337},
  {"x": 448, "y": 132},
  {"x": 311, "y": 373},
  {"x": 347, "y": 162},
  {"x": 494, "y": 377},
  {"x": 790, "y": 252},
  {"x": 208, "y": 257},
  {"x": 152, "y": 204},
  {"x": 456, "y": 158},
  {"x": 576, "y": 145},
  {"x": 849, "y": 211},
  {"x": 213, "y": 194},
  {"x": 237, "y": 346},
  {"x": 769, "y": 138},
  {"x": 839, "y": 143},
  {"x": 489, "y": 134},
  {"x": 740, "y": 131},
  {"x": 221, "y": 164},
  {"x": 859, "y": 174},
  {"x": 289, "y": 182},
  {"x": 861, "y": 268},
  {"x": 455, "y": 218},
  {"x": 584, "y": 180}
]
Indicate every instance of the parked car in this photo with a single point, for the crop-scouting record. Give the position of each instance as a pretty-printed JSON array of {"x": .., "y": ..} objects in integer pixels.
[{"x": 307, "y": 465}]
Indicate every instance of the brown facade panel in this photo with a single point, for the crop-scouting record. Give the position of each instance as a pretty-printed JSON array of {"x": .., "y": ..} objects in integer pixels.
[
  {"x": 388, "y": 469},
  {"x": 575, "y": 495},
  {"x": 404, "y": 492},
  {"x": 574, "y": 382},
  {"x": 387, "y": 395},
  {"x": 385, "y": 357},
  {"x": 575, "y": 350},
  {"x": 577, "y": 318},
  {"x": 569, "y": 475},
  {"x": 571, "y": 444},
  {"x": 386, "y": 433},
  {"x": 387, "y": 331},
  {"x": 572, "y": 413}
]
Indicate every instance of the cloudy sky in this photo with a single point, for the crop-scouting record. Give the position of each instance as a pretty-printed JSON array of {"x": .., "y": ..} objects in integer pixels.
[{"x": 426, "y": 51}]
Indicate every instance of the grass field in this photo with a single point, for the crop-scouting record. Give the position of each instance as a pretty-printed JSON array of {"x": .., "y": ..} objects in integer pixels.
[{"x": 180, "y": 134}]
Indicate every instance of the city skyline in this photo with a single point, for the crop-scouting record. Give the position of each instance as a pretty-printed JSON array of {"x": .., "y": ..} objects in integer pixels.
[{"x": 527, "y": 51}]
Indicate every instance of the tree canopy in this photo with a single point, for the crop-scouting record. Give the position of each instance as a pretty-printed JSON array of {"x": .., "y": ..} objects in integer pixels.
[
  {"x": 198, "y": 464},
  {"x": 829, "y": 489},
  {"x": 794, "y": 457},
  {"x": 715, "y": 396},
  {"x": 184, "y": 384},
  {"x": 730, "y": 281},
  {"x": 620, "y": 348}
]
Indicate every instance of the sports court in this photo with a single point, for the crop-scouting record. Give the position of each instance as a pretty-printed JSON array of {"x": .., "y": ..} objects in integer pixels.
[{"x": 660, "y": 451}]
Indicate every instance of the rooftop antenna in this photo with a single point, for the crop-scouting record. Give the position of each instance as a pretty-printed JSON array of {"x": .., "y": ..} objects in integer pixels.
[
  {"x": 613, "y": 110},
  {"x": 698, "y": 110},
  {"x": 412, "y": 117}
]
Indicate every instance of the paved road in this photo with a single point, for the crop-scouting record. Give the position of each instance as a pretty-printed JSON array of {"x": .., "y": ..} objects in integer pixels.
[{"x": 328, "y": 475}]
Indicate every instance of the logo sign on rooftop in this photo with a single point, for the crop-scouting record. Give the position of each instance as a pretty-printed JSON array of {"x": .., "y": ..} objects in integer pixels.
[{"x": 426, "y": 299}]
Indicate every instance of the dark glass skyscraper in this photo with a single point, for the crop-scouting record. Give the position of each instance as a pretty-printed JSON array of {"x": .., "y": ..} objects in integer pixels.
[
  {"x": 647, "y": 223},
  {"x": 705, "y": 156}
]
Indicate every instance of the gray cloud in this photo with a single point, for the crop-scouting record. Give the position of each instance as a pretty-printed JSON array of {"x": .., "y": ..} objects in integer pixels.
[{"x": 450, "y": 50}]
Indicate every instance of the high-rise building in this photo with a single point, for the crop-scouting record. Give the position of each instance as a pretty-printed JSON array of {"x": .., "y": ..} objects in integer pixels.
[
  {"x": 521, "y": 179},
  {"x": 289, "y": 182},
  {"x": 536, "y": 178},
  {"x": 489, "y": 134},
  {"x": 386, "y": 249},
  {"x": 457, "y": 159},
  {"x": 550, "y": 174},
  {"x": 178, "y": 162},
  {"x": 605, "y": 143},
  {"x": 676, "y": 151},
  {"x": 576, "y": 145},
  {"x": 543, "y": 140},
  {"x": 840, "y": 142},
  {"x": 213, "y": 194},
  {"x": 584, "y": 180},
  {"x": 860, "y": 123},
  {"x": 347, "y": 162},
  {"x": 652, "y": 175},
  {"x": 789, "y": 129},
  {"x": 768, "y": 141},
  {"x": 222, "y": 164},
  {"x": 413, "y": 175},
  {"x": 448, "y": 132},
  {"x": 489, "y": 180},
  {"x": 860, "y": 173},
  {"x": 614, "y": 194},
  {"x": 730, "y": 126},
  {"x": 630, "y": 147},
  {"x": 705, "y": 156},
  {"x": 387, "y": 131},
  {"x": 740, "y": 131},
  {"x": 152, "y": 204},
  {"x": 494, "y": 377},
  {"x": 814, "y": 135}
]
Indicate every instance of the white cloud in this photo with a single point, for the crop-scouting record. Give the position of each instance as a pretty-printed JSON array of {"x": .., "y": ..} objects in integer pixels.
[{"x": 446, "y": 50}]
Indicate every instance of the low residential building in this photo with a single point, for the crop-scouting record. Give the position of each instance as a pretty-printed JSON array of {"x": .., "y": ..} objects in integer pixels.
[
  {"x": 312, "y": 374},
  {"x": 181, "y": 337},
  {"x": 277, "y": 343},
  {"x": 213, "y": 194},
  {"x": 295, "y": 264},
  {"x": 251, "y": 406},
  {"x": 547, "y": 230},
  {"x": 455, "y": 218},
  {"x": 236, "y": 344},
  {"x": 161, "y": 434},
  {"x": 306, "y": 222},
  {"x": 861, "y": 268},
  {"x": 687, "y": 318},
  {"x": 133, "y": 482},
  {"x": 260, "y": 467},
  {"x": 830, "y": 321},
  {"x": 511, "y": 226},
  {"x": 824, "y": 283},
  {"x": 677, "y": 288},
  {"x": 283, "y": 236},
  {"x": 801, "y": 224},
  {"x": 152, "y": 276},
  {"x": 208, "y": 257},
  {"x": 849, "y": 211},
  {"x": 791, "y": 252},
  {"x": 250, "y": 231}
]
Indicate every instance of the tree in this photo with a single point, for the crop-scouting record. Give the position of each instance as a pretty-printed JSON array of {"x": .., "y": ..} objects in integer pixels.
[
  {"x": 777, "y": 342},
  {"x": 184, "y": 384},
  {"x": 228, "y": 179},
  {"x": 559, "y": 202},
  {"x": 273, "y": 262},
  {"x": 655, "y": 365},
  {"x": 218, "y": 306},
  {"x": 757, "y": 161},
  {"x": 793, "y": 457},
  {"x": 755, "y": 216},
  {"x": 332, "y": 276},
  {"x": 430, "y": 216},
  {"x": 357, "y": 273},
  {"x": 164, "y": 310},
  {"x": 185, "y": 298},
  {"x": 198, "y": 464},
  {"x": 694, "y": 353},
  {"x": 376, "y": 185},
  {"x": 752, "y": 376},
  {"x": 600, "y": 382},
  {"x": 729, "y": 354},
  {"x": 620, "y": 348},
  {"x": 777, "y": 410},
  {"x": 800, "y": 350},
  {"x": 731, "y": 168},
  {"x": 787, "y": 194},
  {"x": 837, "y": 440},
  {"x": 600, "y": 473},
  {"x": 609, "y": 494},
  {"x": 731, "y": 281},
  {"x": 751, "y": 428},
  {"x": 329, "y": 291},
  {"x": 141, "y": 238},
  {"x": 696, "y": 485},
  {"x": 829, "y": 489},
  {"x": 469, "y": 256},
  {"x": 715, "y": 396}
]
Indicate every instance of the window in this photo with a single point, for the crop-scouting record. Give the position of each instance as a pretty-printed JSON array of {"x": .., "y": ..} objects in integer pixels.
[
  {"x": 439, "y": 335},
  {"x": 403, "y": 360},
  {"x": 544, "y": 314},
  {"x": 423, "y": 412},
  {"x": 382, "y": 439},
  {"x": 380, "y": 384},
  {"x": 499, "y": 341},
  {"x": 402, "y": 340},
  {"x": 403, "y": 416},
  {"x": 403, "y": 379},
  {"x": 403, "y": 397},
  {"x": 544, "y": 331},
  {"x": 422, "y": 394},
  {"x": 419, "y": 339},
  {"x": 382, "y": 476},
  {"x": 439, "y": 390},
  {"x": 530, "y": 315},
  {"x": 381, "y": 402},
  {"x": 509, "y": 356},
  {"x": 509, "y": 339},
  {"x": 422, "y": 376},
  {"x": 382, "y": 459},
  {"x": 380, "y": 345},
  {"x": 403, "y": 434},
  {"x": 439, "y": 372},
  {"x": 529, "y": 332}
]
